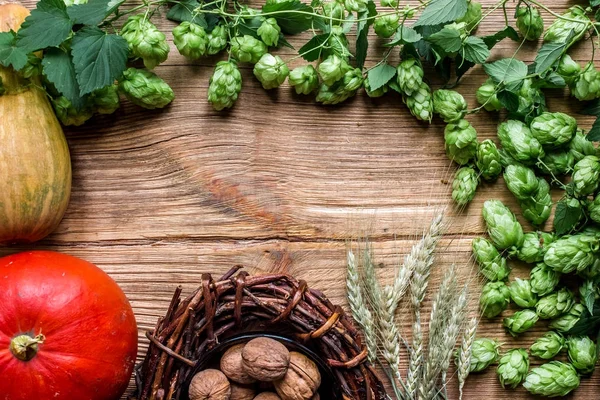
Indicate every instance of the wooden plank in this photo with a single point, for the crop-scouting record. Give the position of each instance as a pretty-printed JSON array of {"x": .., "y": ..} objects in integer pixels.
[{"x": 160, "y": 197}]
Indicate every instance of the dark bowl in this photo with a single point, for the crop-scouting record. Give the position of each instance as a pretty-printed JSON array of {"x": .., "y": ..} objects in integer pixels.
[{"x": 211, "y": 359}]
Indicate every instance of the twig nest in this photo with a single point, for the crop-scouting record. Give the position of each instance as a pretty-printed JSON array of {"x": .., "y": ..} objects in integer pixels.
[
  {"x": 265, "y": 359},
  {"x": 267, "y": 396},
  {"x": 231, "y": 365},
  {"x": 301, "y": 380},
  {"x": 210, "y": 384},
  {"x": 242, "y": 392}
]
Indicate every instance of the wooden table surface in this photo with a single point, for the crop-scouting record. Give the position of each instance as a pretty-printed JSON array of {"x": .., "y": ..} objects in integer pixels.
[{"x": 278, "y": 183}]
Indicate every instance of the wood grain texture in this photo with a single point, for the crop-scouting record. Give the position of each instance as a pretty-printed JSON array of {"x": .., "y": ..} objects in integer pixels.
[{"x": 160, "y": 197}]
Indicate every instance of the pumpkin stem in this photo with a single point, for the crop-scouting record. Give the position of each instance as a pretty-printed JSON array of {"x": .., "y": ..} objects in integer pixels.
[{"x": 25, "y": 347}]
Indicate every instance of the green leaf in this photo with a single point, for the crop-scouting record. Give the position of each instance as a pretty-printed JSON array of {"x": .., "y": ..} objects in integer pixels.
[
  {"x": 423, "y": 47},
  {"x": 588, "y": 295},
  {"x": 290, "y": 23},
  {"x": 93, "y": 12},
  {"x": 507, "y": 32},
  {"x": 249, "y": 26},
  {"x": 59, "y": 70},
  {"x": 185, "y": 11},
  {"x": 594, "y": 133},
  {"x": 312, "y": 50},
  {"x": 566, "y": 217},
  {"x": 393, "y": 84},
  {"x": 404, "y": 35},
  {"x": 99, "y": 58},
  {"x": 448, "y": 39},
  {"x": 349, "y": 23},
  {"x": 47, "y": 26},
  {"x": 10, "y": 54},
  {"x": 380, "y": 75},
  {"x": 509, "y": 100},
  {"x": 507, "y": 70},
  {"x": 553, "y": 81},
  {"x": 549, "y": 53},
  {"x": 440, "y": 11},
  {"x": 594, "y": 3},
  {"x": 588, "y": 323},
  {"x": 362, "y": 31},
  {"x": 475, "y": 50}
]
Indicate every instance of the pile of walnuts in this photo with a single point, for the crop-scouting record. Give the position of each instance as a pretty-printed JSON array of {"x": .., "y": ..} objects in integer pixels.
[{"x": 262, "y": 369}]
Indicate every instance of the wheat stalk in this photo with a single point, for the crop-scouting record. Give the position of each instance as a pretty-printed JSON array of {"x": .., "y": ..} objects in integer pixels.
[
  {"x": 358, "y": 306},
  {"x": 463, "y": 360}
]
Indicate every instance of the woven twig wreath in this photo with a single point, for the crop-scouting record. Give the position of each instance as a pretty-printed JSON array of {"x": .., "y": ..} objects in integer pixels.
[{"x": 193, "y": 326}]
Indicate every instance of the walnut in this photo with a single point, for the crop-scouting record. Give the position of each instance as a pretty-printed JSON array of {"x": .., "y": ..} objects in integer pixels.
[
  {"x": 301, "y": 381},
  {"x": 231, "y": 365},
  {"x": 210, "y": 384},
  {"x": 267, "y": 396},
  {"x": 265, "y": 359},
  {"x": 242, "y": 392}
]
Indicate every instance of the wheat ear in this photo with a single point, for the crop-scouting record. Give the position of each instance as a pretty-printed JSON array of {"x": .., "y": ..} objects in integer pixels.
[
  {"x": 358, "y": 306},
  {"x": 463, "y": 360}
]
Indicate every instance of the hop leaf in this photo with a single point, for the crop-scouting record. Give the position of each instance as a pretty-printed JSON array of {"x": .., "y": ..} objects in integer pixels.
[
  {"x": 146, "y": 89},
  {"x": 473, "y": 16},
  {"x": 271, "y": 71},
  {"x": 513, "y": 367},
  {"x": 552, "y": 379},
  {"x": 225, "y": 85},
  {"x": 460, "y": 141},
  {"x": 380, "y": 91}
]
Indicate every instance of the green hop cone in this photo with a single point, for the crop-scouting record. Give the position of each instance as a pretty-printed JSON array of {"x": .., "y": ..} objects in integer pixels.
[
  {"x": 537, "y": 209},
  {"x": 559, "y": 162},
  {"x": 582, "y": 354},
  {"x": 487, "y": 160},
  {"x": 491, "y": 264},
  {"x": 410, "y": 76},
  {"x": 332, "y": 69},
  {"x": 225, "y": 85},
  {"x": 389, "y": 3},
  {"x": 543, "y": 279},
  {"x": 586, "y": 85},
  {"x": 386, "y": 25},
  {"x": 572, "y": 253},
  {"x": 190, "y": 39},
  {"x": 494, "y": 299},
  {"x": 449, "y": 104},
  {"x": 521, "y": 294},
  {"x": 553, "y": 129},
  {"x": 520, "y": 321},
  {"x": 568, "y": 69},
  {"x": 217, "y": 40},
  {"x": 586, "y": 176},
  {"x": 247, "y": 49},
  {"x": 105, "y": 100},
  {"x": 486, "y": 96},
  {"x": 567, "y": 321},
  {"x": 547, "y": 346},
  {"x": 304, "y": 79},
  {"x": 271, "y": 71},
  {"x": 355, "y": 5},
  {"x": 484, "y": 352},
  {"x": 534, "y": 246},
  {"x": 592, "y": 271},
  {"x": 420, "y": 103},
  {"x": 70, "y": 3},
  {"x": 375, "y": 93},
  {"x": 512, "y": 368},
  {"x": 576, "y": 21},
  {"x": 145, "y": 40},
  {"x": 146, "y": 89},
  {"x": 472, "y": 17},
  {"x": 502, "y": 225},
  {"x": 460, "y": 141},
  {"x": 521, "y": 181},
  {"x": 552, "y": 379},
  {"x": 580, "y": 147},
  {"x": 68, "y": 114},
  {"x": 269, "y": 32},
  {"x": 530, "y": 22},
  {"x": 555, "y": 304},
  {"x": 516, "y": 138},
  {"x": 337, "y": 44},
  {"x": 464, "y": 185},
  {"x": 33, "y": 67},
  {"x": 594, "y": 209},
  {"x": 532, "y": 100},
  {"x": 330, "y": 96},
  {"x": 335, "y": 11}
]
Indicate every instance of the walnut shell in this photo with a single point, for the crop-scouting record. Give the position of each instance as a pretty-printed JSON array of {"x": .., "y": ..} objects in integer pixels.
[
  {"x": 210, "y": 384},
  {"x": 265, "y": 359},
  {"x": 242, "y": 392},
  {"x": 267, "y": 396},
  {"x": 301, "y": 381},
  {"x": 231, "y": 365}
]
